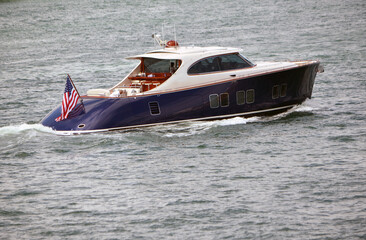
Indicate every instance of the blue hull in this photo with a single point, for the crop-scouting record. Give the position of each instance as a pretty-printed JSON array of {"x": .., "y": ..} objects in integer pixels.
[{"x": 263, "y": 94}]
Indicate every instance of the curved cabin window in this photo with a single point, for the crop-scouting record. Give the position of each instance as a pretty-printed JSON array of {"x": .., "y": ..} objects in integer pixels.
[{"x": 219, "y": 63}]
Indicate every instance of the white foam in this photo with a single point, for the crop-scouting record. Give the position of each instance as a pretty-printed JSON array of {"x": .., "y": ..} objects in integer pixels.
[
  {"x": 193, "y": 128},
  {"x": 303, "y": 108},
  {"x": 17, "y": 129}
]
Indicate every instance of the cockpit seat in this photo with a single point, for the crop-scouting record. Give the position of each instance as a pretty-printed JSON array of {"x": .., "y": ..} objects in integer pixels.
[{"x": 98, "y": 92}]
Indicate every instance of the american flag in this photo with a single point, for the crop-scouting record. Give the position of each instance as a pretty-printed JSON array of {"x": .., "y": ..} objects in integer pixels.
[{"x": 69, "y": 100}]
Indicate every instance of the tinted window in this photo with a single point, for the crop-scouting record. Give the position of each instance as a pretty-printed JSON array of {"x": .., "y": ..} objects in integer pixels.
[
  {"x": 205, "y": 65},
  {"x": 224, "y": 99},
  {"x": 152, "y": 65},
  {"x": 250, "y": 96},
  {"x": 219, "y": 63},
  {"x": 240, "y": 97},
  {"x": 283, "y": 89},
  {"x": 214, "y": 101},
  {"x": 233, "y": 61},
  {"x": 275, "y": 91}
]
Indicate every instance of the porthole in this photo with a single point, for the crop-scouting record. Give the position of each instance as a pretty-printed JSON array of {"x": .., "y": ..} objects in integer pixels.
[
  {"x": 275, "y": 91},
  {"x": 283, "y": 90},
  {"x": 214, "y": 100},
  {"x": 240, "y": 97},
  {"x": 224, "y": 99},
  {"x": 250, "y": 96},
  {"x": 81, "y": 125}
]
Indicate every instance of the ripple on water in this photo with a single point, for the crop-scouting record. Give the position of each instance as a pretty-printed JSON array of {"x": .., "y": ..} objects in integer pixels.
[
  {"x": 11, "y": 213},
  {"x": 342, "y": 139},
  {"x": 296, "y": 175}
]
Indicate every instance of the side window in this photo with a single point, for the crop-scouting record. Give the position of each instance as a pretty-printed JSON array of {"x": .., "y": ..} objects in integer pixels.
[
  {"x": 250, "y": 96},
  {"x": 224, "y": 99},
  {"x": 233, "y": 61},
  {"x": 203, "y": 66},
  {"x": 214, "y": 101},
  {"x": 283, "y": 90},
  {"x": 279, "y": 91},
  {"x": 240, "y": 97},
  {"x": 199, "y": 67},
  {"x": 219, "y": 63},
  {"x": 275, "y": 91}
]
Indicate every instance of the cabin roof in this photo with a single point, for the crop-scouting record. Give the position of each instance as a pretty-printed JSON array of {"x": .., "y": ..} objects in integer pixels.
[{"x": 185, "y": 52}]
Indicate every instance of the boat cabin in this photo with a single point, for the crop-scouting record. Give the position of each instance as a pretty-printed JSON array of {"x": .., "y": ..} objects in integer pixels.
[
  {"x": 152, "y": 72},
  {"x": 156, "y": 67}
]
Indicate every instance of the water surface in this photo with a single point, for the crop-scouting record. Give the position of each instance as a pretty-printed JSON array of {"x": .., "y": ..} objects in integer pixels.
[{"x": 299, "y": 175}]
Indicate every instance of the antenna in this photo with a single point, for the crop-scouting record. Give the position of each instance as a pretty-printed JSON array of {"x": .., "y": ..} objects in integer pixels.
[
  {"x": 158, "y": 40},
  {"x": 154, "y": 36},
  {"x": 164, "y": 43},
  {"x": 175, "y": 34}
]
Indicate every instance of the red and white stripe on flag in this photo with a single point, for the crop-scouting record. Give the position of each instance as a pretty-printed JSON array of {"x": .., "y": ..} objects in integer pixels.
[{"x": 69, "y": 100}]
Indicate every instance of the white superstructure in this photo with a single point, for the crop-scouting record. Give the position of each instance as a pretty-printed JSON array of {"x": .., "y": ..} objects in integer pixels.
[{"x": 176, "y": 74}]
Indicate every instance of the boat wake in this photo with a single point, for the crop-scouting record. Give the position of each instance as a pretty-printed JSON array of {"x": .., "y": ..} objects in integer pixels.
[
  {"x": 200, "y": 127},
  {"x": 23, "y": 128},
  {"x": 194, "y": 128},
  {"x": 170, "y": 130},
  {"x": 292, "y": 111},
  {"x": 302, "y": 108}
]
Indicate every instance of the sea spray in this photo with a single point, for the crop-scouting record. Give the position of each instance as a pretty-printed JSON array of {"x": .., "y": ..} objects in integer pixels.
[
  {"x": 200, "y": 127},
  {"x": 24, "y": 127}
]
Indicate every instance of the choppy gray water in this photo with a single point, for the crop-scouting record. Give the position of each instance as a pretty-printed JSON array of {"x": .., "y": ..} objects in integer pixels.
[{"x": 299, "y": 175}]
